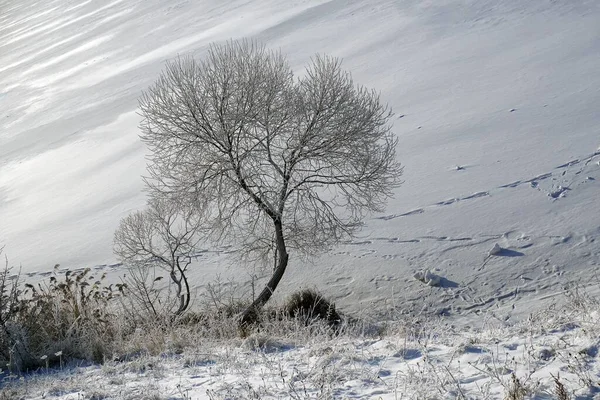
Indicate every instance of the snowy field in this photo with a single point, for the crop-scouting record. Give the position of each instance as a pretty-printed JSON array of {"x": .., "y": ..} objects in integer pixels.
[
  {"x": 497, "y": 110},
  {"x": 432, "y": 361}
]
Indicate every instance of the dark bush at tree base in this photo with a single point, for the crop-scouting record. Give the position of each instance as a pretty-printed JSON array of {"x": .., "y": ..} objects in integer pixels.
[{"x": 309, "y": 304}]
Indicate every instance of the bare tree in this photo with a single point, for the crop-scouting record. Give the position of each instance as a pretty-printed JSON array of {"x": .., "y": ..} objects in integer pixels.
[
  {"x": 164, "y": 236},
  {"x": 286, "y": 163}
]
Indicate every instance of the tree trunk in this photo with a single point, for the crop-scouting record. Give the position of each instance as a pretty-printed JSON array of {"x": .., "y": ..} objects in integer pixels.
[
  {"x": 249, "y": 314},
  {"x": 184, "y": 299}
]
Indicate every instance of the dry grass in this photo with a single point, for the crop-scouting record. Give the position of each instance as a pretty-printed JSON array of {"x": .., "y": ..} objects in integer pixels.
[{"x": 75, "y": 316}]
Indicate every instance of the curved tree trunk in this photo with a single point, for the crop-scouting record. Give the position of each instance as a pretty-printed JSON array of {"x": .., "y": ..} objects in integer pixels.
[
  {"x": 184, "y": 298},
  {"x": 249, "y": 314}
]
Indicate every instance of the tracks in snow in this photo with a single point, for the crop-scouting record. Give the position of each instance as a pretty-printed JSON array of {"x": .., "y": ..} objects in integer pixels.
[{"x": 562, "y": 173}]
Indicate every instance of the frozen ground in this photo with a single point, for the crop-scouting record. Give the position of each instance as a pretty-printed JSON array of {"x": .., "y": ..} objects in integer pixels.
[
  {"x": 496, "y": 108},
  {"x": 429, "y": 361}
]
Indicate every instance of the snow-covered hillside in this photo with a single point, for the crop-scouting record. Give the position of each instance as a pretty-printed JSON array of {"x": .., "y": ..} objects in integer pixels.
[{"x": 497, "y": 109}]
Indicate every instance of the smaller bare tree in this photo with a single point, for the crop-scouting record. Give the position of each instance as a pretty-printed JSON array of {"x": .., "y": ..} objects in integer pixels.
[{"x": 163, "y": 236}]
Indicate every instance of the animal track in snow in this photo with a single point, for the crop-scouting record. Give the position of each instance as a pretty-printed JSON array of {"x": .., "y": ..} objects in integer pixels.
[
  {"x": 540, "y": 177},
  {"x": 366, "y": 252},
  {"x": 377, "y": 280},
  {"x": 476, "y": 196},
  {"x": 343, "y": 280},
  {"x": 414, "y": 240},
  {"x": 406, "y": 214},
  {"x": 398, "y": 240},
  {"x": 446, "y": 202},
  {"x": 456, "y": 200},
  {"x": 557, "y": 190},
  {"x": 511, "y": 185},
  {"x": 569, "y": 164},
  {"x": 352, "y": 243}
]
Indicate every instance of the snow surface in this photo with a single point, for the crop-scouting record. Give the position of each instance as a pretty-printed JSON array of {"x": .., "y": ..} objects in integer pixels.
[
  {"x": 438, "y": 362},
  {"x": 496, "y": 108}
]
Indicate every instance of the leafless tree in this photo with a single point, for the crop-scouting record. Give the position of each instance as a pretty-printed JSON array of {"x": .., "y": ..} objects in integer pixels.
[
  {"x": 165, "y": 236},
  {"x": 286, "y": 163}
]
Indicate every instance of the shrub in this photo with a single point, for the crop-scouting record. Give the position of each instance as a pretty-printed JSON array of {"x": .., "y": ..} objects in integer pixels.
[
  {"x": 69, "y": 316},
  {"x": 515, "y": 389},
  {"x": 10, "y": 350},
  {"x": 307, "y": 304}
]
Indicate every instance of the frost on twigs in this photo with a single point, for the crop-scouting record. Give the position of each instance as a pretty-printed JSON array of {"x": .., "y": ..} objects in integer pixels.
[
  {"x": 283, "y": 165},
  {"x": 265, "y": 344}
]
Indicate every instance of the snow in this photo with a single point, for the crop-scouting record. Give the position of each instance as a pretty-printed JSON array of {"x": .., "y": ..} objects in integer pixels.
[
  {"x": 427, "y": 277},
  {"x": 437, "y": 362},
  {"x": 497, "y": 114}
]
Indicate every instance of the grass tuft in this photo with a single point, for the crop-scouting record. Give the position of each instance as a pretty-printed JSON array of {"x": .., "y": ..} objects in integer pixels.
[{"x": 309, "y": 305}]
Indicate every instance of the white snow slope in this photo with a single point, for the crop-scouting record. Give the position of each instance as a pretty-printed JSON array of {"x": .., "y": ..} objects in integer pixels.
[{"x": 497, "y": 109}]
